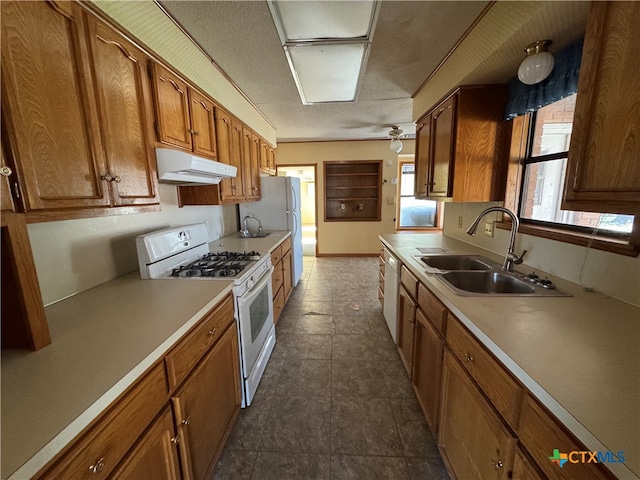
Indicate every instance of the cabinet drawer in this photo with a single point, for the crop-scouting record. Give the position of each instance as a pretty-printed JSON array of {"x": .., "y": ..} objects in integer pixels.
[
  {"x": 409, "y": 281},
  {"x": 381, "y": 281},
  {"x": 106, "y": 443},
  {"x": 541, "y": 434},
  {"x": 286, "y": 245},
  {"x": 184, "y": 356},
  {"x": 434, "y": 310},
  {"x": 381, "y": 264},
  {"x": 277, "y": 279},
  {"x": 276, "y": 255},
  {"x": 501, "y": 388},
  {"x": 278, "y": 304}
]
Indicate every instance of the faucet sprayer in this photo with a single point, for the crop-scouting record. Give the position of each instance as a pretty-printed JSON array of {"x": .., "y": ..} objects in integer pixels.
[{"x": 511, "y": 258}]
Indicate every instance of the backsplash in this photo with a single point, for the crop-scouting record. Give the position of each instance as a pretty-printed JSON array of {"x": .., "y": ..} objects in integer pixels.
[
  {"x": 72, "y": 256},
  {"x": 613, "y": 275}
]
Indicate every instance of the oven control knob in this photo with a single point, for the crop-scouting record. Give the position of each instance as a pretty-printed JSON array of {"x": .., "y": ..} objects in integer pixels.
[{"x": 250, "y": 283}]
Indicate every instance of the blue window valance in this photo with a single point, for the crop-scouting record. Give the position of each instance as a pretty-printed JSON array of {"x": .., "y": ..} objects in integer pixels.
[{"x": 562, "y": 82}]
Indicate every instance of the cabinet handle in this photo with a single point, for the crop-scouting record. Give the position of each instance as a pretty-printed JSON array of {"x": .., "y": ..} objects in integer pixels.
[
  {"x": 176, "y": 440},
  {"x": 196, "y": 133},
  {"x": 5, "y": 171},
  {"x": 497, "y": 464},
  {"x": 187, "y": 420},
  {"x": 97, "y": 467},
  {"x": 468, "y": 358},
  {"x": 213, "y": 332},
  {"x": 106, "y": 178},
  {"x": 117, "y": 179}
]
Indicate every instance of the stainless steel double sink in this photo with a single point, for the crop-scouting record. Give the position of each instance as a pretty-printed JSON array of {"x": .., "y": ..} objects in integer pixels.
[{"x": 475, "y": 275}]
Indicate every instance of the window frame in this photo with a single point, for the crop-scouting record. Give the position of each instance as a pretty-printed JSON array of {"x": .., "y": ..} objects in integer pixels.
[{"x": 520, "y": 146}]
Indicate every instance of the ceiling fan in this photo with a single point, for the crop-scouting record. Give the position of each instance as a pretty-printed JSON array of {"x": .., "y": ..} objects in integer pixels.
[{"x": 395, "y": 133}]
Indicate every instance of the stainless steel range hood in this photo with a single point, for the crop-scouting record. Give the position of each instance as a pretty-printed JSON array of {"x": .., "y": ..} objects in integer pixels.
[{"x": 183, "y": 168}]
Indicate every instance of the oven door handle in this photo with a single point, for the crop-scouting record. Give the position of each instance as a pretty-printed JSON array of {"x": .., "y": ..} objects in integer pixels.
[{"x": 255, "y": 288}]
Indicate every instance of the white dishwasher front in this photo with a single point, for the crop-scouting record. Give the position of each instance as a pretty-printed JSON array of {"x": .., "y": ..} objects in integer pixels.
[{"x": 391, "y": 282}]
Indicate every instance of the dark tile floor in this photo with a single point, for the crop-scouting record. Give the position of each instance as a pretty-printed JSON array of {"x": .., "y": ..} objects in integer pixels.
[{"x": 335, "y": 401}]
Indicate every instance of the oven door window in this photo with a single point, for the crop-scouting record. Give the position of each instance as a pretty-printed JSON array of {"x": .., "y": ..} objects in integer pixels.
[{"x": 259, "y": 313}]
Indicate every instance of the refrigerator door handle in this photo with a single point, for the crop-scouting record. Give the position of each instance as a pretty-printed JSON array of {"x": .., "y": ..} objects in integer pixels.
[
  {"x": 295, "y": 200},
  {"x": 295, "y": 224}
]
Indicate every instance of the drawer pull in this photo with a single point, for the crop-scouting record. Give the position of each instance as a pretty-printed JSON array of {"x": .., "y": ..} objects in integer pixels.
[
  {"x": 468, "y": 358},
  {"x": 213, "y": 332},
  {"x": 187, "y": 420},
  {"x": 497, "y": 464},
  {"x": 97, "y": 467}
]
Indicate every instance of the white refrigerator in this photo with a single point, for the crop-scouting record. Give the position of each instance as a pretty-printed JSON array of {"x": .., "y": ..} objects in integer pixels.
[{"x": 279, "y": 209}]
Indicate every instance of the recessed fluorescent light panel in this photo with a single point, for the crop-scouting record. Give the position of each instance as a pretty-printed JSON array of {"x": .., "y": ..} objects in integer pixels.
[{"x": 326, "y": 44}]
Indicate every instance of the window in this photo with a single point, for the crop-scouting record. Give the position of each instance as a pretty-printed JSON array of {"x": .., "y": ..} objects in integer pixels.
[
  {"x": 544, "y": 177},
  {"x": 413, "y": 213}
]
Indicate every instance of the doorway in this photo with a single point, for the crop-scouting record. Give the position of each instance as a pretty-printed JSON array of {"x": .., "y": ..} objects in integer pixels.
[{"x": 308, "y": 203}]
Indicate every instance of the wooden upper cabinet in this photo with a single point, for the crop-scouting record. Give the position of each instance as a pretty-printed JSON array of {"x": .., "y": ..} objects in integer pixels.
[
  {"x": 251, "y": 154},
  {"x": 237, "y": 160},
  {"x": 49, "y": 106},
  {"x": 125, "y": 109},
  {"x": 223, "y": 135},
  {"x": 460, "y": 151},
  {"x": 603, "y": 171},
  {"x": 203, "y": 127},
  {"x": 423, "y": 155},
  {"x": 443, "y": 137},
  {"x": 172, "y": 108},
  {"x": 264, "y": 156}
]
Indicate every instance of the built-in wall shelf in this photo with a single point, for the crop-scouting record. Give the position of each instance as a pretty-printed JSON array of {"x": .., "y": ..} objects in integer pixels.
[{"x": 352, "y": 191}]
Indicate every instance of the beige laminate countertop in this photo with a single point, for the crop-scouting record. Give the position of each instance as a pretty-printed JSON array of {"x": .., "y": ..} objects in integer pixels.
[
  {"x": 102, "y": 341},
  {"x": 579, "y": 355}
]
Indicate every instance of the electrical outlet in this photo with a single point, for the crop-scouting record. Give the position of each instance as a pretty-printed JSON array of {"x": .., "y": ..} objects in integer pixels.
[
  {"x": 459, "y": 222},
  {"x": 488, "y": 229}
]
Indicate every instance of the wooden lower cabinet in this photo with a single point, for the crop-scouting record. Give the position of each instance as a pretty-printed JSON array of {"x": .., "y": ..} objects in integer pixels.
[
  {"x": 474, "y": 442},
  {"x": 206, "y": 406},
  {"x": 406, "y": 327},
  {"x": 155, "y": 455},
  {"x": 287, "y": 274},
  {"x": 427, "y": 369}
]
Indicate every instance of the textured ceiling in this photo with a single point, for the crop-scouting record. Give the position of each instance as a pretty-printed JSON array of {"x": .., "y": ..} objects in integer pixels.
[{"x": 411, "y": 39}]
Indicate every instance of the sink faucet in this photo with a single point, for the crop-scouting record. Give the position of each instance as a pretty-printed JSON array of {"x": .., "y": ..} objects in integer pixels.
[
  {"x": 511, "y": 257},
  {"x": 245, "y": 231}
]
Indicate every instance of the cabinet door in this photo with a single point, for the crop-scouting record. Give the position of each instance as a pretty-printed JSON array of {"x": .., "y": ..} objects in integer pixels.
[
  {"x": 155, "y": 455},
  {"x": 287, "y": 274},
  {"x": 6, "y": 199},
  {"x": 423, "y": 155},
  {"x": 206, "y": 407},
  {"x": 223, "y": 137},
  {"x": 237, "y": 160},
  {"x": 264, "y": 156},
  {"x": 474, "y": 442},
  {"x": 124, "y": 101},
  {"x": 271, "y": 160},
  {"x": 250, "y": 160},
  {"x": 523, "y": 469},
  {"x": 603, "y": 172},
  {"x": 172, "y": 109},
  {"x": 406, "y": 326},
  {"x": 203, "y": 127},
  {"x": 427, "y": 369},
  {"x": 49, "y": 106},
  {"x": 442, "y": 138}
]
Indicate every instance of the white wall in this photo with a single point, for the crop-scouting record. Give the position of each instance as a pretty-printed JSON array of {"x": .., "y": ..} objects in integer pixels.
[
  {"x": 72, "y": 256},
  {"x": 614, "y": 275}
]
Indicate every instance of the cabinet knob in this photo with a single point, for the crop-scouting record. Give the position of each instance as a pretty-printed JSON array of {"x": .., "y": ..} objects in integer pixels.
[
  {"x": 5, "y": 171},
  {"x": 176, "y": 440},
  {"x": 106, "y": 178},
  {"x": 117, "y": 179},
  {"x": 213, "y": 332},
  {"x": 468, "y": 357},
  {"x": 97, "y": 467},
  {"x": 187, "y": 420},
  {"x": 497, "y": 464}
]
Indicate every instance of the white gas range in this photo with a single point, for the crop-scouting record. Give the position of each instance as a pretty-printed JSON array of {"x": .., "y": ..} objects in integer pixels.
[{"x": 183, "y": 253}]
